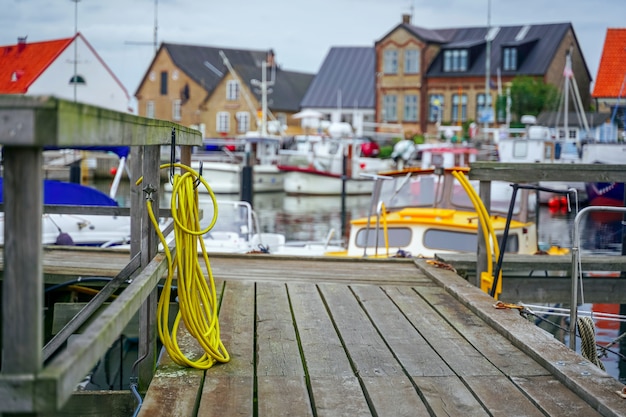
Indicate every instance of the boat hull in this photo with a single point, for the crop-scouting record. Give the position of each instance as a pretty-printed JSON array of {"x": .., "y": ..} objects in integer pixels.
[
  {"x": 605, "y": 194},
  {"x": 225, "y": 178},
  {"x": 302, "y": 182}
]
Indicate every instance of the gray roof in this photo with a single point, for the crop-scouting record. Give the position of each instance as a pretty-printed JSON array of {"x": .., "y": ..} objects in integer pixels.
[
  {"x": 205, "y": 65},
  {"x": 288, "y": 89},
  {"x": 543, "y": 41},
  {"x": 553, "y": 119},
  {"x": 346, "y": 78}
]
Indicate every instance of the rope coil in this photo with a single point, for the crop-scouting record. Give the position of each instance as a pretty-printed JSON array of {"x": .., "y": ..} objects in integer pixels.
[
  {"x": 588, "y": 341},
  {"x": 196, "y": 294}
]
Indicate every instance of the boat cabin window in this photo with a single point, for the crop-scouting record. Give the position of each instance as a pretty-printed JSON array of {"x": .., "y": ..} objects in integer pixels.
[
  {"x": 398, "y": 237},
  {"x": 462, "y": 241},
  {"x": 520, "y": 149}
]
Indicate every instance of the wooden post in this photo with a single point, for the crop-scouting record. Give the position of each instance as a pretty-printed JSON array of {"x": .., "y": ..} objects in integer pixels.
[
  {"x": 149, "y": 245},
  {"x": 22, "y": 289}
]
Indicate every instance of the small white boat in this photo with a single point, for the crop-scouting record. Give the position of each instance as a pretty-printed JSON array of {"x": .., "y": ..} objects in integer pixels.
[
  {"x": 319, "y": 165},
  {"x": 223, "y": 168},
  {"x": 237, "y": 230}
]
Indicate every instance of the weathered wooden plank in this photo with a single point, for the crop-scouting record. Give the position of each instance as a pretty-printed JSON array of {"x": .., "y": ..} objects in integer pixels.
[
  {"x": 96, "y": 404},
  {"x": 526, "y": 263},
  {"x": 554, "y": 398},
  {"x": 510, "y": 360},
  {"x": 21, "y": 306},
  {"x": 277, "y": 347},
  {"x": 174, "y": 391},
  {"x": 48, "y": 121},
  {"x": 283, "y": 396},
  {"x": 367, "y": 350},
  {"x": 590, "y": 383},
  {"x": 535, "y": 172},
  {"x": 411, "y": 349},
  {"x": 281, "y": 385},
  {"x": 448, "y": 396},
  {"x": 228, "y": 388},
  {"x": 335, "y": 396},
  {"x": 70, "y": 366},
  {"x": 503, "y": 398},
  {"x": 403, "y": 402},
  {"x": 334, "y": 387},
  {"x": 453, "y": 348}
]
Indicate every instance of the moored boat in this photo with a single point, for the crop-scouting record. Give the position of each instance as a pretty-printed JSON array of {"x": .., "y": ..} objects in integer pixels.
[{"x": 422, "y": 212}]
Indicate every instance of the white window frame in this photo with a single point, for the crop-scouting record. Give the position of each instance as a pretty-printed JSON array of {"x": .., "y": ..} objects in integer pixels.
[
  {"x": 390, "y": 61},
  {"x": 222, "y": 122},
  {"x": 150, "y": 109},
  {"x": 176, "y": 110},
  {"x": 509, "y": 59},
  {"x": 232, "y": 90},
  {"x": 390, "y": 108},
  {"x": 459, "y": 100},
  {"x": 243, "y": 121},
  {"x": 412, "y": 61},
  {"x": 411, "y": 108},
  {"x": 455, "y": 60}
]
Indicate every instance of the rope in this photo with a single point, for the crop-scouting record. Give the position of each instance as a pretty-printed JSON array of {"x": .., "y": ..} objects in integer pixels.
[
  {"x": 588, "y": 341},
  {"x": 196, "y": 294}
]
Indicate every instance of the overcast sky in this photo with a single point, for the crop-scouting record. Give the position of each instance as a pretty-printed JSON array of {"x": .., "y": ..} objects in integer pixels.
[{"x": 300, "y": 31}]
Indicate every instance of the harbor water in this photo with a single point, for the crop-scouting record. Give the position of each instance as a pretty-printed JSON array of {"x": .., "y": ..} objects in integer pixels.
[{"x": 307, "y": 218}]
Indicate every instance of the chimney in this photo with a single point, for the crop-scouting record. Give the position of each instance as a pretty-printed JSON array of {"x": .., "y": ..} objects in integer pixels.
[
  {"x": 21, "y": 43},
  {"x": 406, "y": 19},
  {"x": 270, "y": 58}
]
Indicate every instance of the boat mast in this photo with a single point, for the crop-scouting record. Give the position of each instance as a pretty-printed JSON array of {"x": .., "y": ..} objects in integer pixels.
[{"x": 488, "y": 70}]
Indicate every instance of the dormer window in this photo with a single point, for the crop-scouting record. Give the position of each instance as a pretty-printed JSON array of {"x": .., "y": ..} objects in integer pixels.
[
  {"x": 455, "y": 60},
  {"x": 509, "y": 59}
]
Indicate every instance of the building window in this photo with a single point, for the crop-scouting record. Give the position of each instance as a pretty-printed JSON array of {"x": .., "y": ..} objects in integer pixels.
[
  {"x": 223, "y": 122},
  {"x": 509, "y": 59},
  {"x": 232, "y": 90},
  {"x": 390, "y": 61},
  {"x": 176, "y": 110},
  {"x": 411, "y": 61},
  {"x": 483, "y": 111},
  {"x": 459, "y": 107},
  {"x": 150, "y": 109},
  {"x": 455, "y": 60},
  {"x": 390, "y": 112},
  {"x": 164, "y": 83},
  {"x": 243, "y": 121},
  {"x": 410, "y": 108},
  {"x": 435, "y": 108}
]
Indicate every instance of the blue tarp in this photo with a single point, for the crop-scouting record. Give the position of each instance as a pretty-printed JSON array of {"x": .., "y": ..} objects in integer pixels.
[{"x": 69, "y": 194}]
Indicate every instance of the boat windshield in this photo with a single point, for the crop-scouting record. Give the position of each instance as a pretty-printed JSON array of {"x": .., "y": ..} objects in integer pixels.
[
  {"x": 232, "y": 216},
  {"x": 439, "y": 190}
]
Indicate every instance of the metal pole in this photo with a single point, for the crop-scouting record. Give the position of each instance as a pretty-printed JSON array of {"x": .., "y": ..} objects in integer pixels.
[{"x": 573, "y": 317}]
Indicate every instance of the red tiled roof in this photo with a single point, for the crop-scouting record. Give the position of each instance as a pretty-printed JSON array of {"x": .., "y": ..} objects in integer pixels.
[
  {"x": 612, "y": 67},
  {"x": 22, "y": 64}
]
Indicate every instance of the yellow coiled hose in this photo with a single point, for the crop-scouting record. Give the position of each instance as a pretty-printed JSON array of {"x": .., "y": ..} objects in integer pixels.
[{"x": 196, "y": 294}]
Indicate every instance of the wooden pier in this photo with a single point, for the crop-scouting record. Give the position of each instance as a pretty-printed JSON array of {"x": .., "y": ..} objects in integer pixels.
[{"x": 328, "y": 337}]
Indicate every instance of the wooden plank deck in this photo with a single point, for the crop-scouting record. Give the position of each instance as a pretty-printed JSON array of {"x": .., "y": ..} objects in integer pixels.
[{"x": 361, "y": 337}]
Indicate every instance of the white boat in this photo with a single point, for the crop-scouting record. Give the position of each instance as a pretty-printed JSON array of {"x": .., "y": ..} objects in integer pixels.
[
  {"x": 223, "y": 169},
  {"x": 320, "y": 165},
  {"x": 237, "y": 230},
  {"x": 537, "y": 145}
]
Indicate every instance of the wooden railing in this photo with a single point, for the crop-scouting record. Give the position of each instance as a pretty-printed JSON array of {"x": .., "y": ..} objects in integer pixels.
[{"x": 28, "y": 382}]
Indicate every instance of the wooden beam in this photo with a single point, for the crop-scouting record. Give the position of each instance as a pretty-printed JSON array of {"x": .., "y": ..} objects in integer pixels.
[
  {"x": 535, "y": 172},
  {"x": 50, "y": 121}
]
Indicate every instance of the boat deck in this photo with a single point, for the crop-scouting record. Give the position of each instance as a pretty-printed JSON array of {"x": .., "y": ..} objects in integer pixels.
[{"x": 363, "y": 337}]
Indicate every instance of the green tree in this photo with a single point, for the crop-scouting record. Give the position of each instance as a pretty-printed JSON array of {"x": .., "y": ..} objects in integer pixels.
[{"x": 530, "y": 95}]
